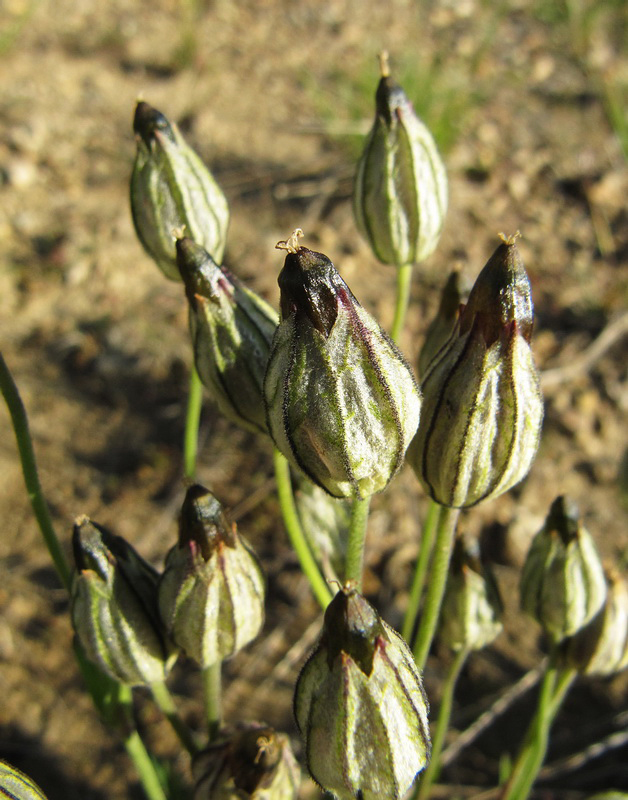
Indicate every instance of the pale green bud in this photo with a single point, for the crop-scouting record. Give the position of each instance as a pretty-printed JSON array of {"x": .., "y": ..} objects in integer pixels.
[
  {"x": 471, "y": 609},
  {"x": 441, "y": 327},
  {"x": 211, "y": 595},
  {"x": 15, "y": 785},
  {"x": 172, "y": 189},
  {"x": 325, "y": 522},
  {"x": 601, "y": 647},
  {"x": 114, "y": 608},
  {"x": 232, "y": 330},
  {"x": 341, "y": 401},
  {"x": 482, "y": 405},
  {"x": 250, "y": 762},
  {"x": 400, "y": 194},
  {"x": 562, "y": 584},
  {"x": 360, "y": 705}
]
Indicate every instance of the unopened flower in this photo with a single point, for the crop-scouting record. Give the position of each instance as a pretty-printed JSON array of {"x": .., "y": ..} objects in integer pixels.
[
  {"x": 562, "y": 584},
  {"x": 482, "y": 405},
  {"x": 114, "y": 608},
  {"x": 360, "y": 705},
  {"x": 442, "y": 326},
  {"x": 471, "y": 609},
  {"x": 15, "y": 785},
  {"x": 211, "y": 595},
  {"x": 601, "y": 647},
  {"x": 171, "y": 189},
  {"x": 341, "y": 401},
  {"x": 400, "y": 194},
  {"x": 250, "y": 761},
  {"x": 232, "y": 330}
]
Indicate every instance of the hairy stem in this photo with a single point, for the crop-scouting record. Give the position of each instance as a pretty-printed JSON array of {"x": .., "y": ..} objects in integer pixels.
[
  {"x": 423, "y": 561},
  {"x": 192, "y": 421},
  {"x": 357, "y": 539},
  {"x": 404, "y": 280},
  {"x": 165, "y": 702}
]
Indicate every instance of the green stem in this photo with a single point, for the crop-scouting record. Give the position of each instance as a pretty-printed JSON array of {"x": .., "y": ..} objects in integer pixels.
[
  {"x": 418, "y": 581},
  {"x": 295, "y": 532},
  {"x": 137, "y": 751},
  {"x": 354, "y": 567},
  {"x": 212, "y": 686},
  {"x": 444, "y": 714},
  {"x": 438, "y": 578},
  {"x": 192, "y": 421},
  {"x": 29, "y": 469},
  {"x": 554, "y": 687},
  {"x": 404, "y": 280},
  {"x": 165, "y": 702}
]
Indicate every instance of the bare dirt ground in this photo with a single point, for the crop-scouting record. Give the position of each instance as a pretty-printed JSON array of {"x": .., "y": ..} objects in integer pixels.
[{"x": 275, "y": 94}]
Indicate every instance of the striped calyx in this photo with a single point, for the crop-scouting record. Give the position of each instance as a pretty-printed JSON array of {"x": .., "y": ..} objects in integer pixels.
[
  {"x": 400, "y": 192},
  {"x": 562, "y": 583},
  {"x": 211, "y": 595},
  {"x": 231, "y": 329},
  {"x": 360, "y": 705},
  {"x": 341, "y": 401},
  {"x": 114, "y": 608},
  {"x": 482, "y": 406},
  {"x": 470, "y": 616},
  {"x": 172, "y": 189},
  {"x": 15, "y": 785},
  {"x": 250, "y": 761}
]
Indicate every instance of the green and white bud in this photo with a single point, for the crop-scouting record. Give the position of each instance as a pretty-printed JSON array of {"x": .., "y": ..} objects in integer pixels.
[
  {"x": 15, "y": 785},
  {"x": 441, "y": 327},
  {"x": 342, "y": 403},
  {"x": 400, "y": 193},
  {"x": 325, "y": 522},
  {"x": 114, "y": 608},
  {"x": 232, "y": 330},
  {"x": 562, "y": 584},
  {"x": 211, "y": 595},
  {"x": 482, "y": 406},
  {"x": 361, "y": 707},
  {"x": 172, "y": 189},
  {"x": 250, "y": 762},
  {"x": 470, "y": 616}
]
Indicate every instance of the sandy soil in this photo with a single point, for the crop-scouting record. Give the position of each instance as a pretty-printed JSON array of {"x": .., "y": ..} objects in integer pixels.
[{"x": 275, "y": 94}]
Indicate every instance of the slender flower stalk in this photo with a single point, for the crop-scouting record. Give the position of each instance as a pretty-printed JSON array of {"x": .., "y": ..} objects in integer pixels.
[
  {"x": 192, "y": 422},
  {"x": 136, "y": 749},
  {"x": 422, "y": 564},
  {"x": 295, "y": 532},
  {"x": 438, "y": 579},
  {"x": 212, "y": 694},
  {"x": 404, "y": 281},
  {"x": 165, "y": 702},
  {"x": 442, "y": 724},
  {"x": 357, "y": 540},
  {"x": 19, "y": 421}
]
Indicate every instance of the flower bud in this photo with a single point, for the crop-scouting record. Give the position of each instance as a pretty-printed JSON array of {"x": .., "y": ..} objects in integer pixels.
[
  {"x": 232, "y": 330},
  {"x": 15, "y": 785},
  {"x": 114, "y": 608},
  {"x": 211, "y": 595},
  {"x": 360, "y": 705},
  {"x": 471, "y": 609},
  {"x": 562, "y": 583},
  {"x": 325, "y": 523},
  {"x": 341, "y": 401},
  {"x": 601, "y": 647},
  {"x": 400, "y": 194},
  {"x": 482, "y": 404},
  {"x": 441, "y": 327},
  {"x": 171, "y": 189},
  {"x": 250, "y": 761}
]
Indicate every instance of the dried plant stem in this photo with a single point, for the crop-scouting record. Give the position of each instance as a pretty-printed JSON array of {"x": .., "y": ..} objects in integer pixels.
[
  {"x": 357, "y": 539},
  {"x": 438, "y": 578},
  {"x": 29, "y": 468},
  {"x": 192, "y": 421},
  {"x": 165, "y": 702},
  {"x": 404, "y": 280},
  {"x": 423, "y": 561},
  {"x": 442, "y": 724},
  {"x": 295, "y": 532},
  {"x": 554, "y": 687},
  {"x": 212, "y": 688}
]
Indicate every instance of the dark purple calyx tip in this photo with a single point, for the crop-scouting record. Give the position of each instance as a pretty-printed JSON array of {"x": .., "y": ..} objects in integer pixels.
[{"x": 147, "y": 121}]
